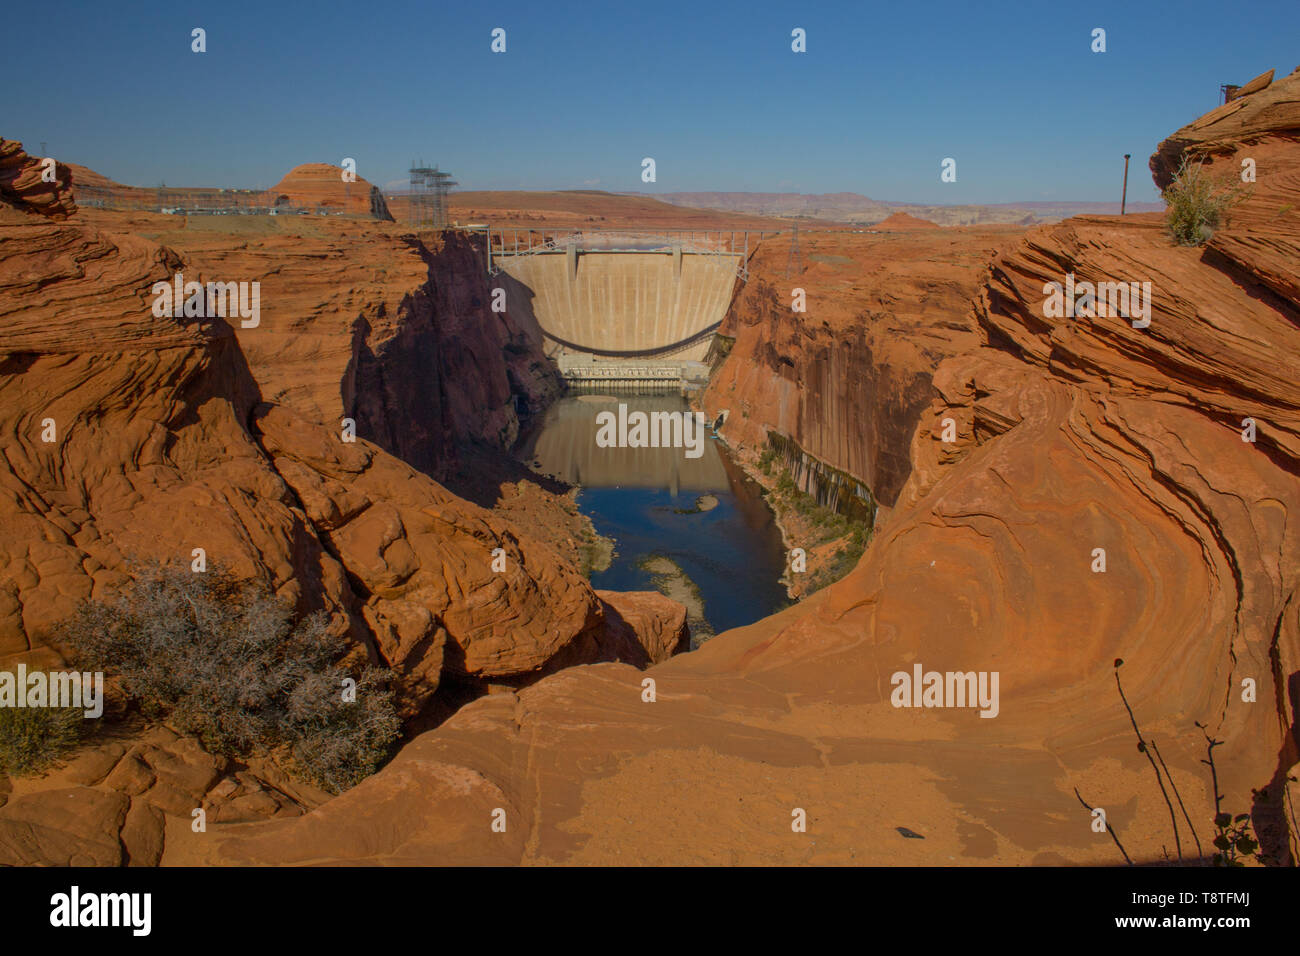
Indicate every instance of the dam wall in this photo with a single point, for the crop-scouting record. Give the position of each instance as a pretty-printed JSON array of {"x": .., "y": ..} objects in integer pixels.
[{"x": 620, "y": 305}]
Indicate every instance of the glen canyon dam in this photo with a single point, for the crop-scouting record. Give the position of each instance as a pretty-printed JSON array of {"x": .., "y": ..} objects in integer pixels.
[{"x": 662, "y": 437}]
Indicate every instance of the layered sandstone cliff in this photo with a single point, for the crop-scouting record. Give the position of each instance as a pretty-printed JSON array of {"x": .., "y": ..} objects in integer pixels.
[
  {"x": 364, "y": 321},
  {"x": 131, "y": 436},
  {"x": 39, "y": 186},
  {"x": 847, "y": 378}
]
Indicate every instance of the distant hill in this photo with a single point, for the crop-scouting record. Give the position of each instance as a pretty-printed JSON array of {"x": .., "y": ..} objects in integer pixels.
[
  {"x": 856, "y": 208},
  {"x": 587, "y": 208},
  {"x": 312, "y": 186},
  {"x": 901, "y": 220}
]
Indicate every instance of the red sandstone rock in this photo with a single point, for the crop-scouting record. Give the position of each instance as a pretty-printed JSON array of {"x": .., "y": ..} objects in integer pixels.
[
  {"x": 160, "y": 443},
  {"x": 320, "y": 186},
  {"x": 424, "y": 562},
  {"x": 358, "y": 320},
  {"x": 68, "y": 827},
  {"x": 1074, "y": 433},
  {"x": 652, "y": 623},
  {"x": 1262, "y": 236},
  {"x": 153, "y": 456},
  {"x": 23, "y": 183},
  {"x": 848, "y": 378}
]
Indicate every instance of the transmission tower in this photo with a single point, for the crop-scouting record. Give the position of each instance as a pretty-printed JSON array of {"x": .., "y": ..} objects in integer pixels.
[
  {"x": 428, "y": 196},
  {"x": 795, "y": 262}
]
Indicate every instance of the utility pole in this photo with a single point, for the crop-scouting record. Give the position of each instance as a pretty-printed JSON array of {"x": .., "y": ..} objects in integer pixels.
[
  {"x": 795, "y": 261},
  {"x": 1123, "y": 200}
]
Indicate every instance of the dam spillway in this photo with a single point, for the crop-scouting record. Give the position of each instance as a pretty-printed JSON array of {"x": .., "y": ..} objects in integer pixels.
[{"x": 620, "y": 310}]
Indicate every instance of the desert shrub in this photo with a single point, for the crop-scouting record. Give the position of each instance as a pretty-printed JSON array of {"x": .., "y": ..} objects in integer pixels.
[
  {"x": 226, "y": 661},
  {"x": 335, "y": 743},
  {"x": 31, "y": 738},
  {"x": 1198, "y": 204}
]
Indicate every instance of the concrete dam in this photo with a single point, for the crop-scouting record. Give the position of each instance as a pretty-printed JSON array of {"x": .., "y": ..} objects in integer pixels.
[{"x": 620, "y": 308}]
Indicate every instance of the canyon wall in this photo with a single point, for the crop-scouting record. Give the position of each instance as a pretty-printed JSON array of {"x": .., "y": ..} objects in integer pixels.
[
  {"x": 847, "y": 379},
  {"x": 366, "y": 321},
  {"x": 132, "y": 436}
]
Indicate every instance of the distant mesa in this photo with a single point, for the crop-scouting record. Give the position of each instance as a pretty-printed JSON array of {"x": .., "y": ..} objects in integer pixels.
[
  {"x": 321, "y": 186},
  {"x": 311, "y": 187},
  {"x": 900, "y": 221}
]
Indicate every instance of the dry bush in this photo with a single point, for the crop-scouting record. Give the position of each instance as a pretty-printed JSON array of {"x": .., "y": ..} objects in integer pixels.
[
  {"x": 226, "y": 661},
  {"x": 31, "y": 738},
  {"x": 1198, "y": 205}
]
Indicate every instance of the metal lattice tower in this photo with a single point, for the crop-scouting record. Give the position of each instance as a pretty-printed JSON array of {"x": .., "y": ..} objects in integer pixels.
[
  {"x": 428, "y": 197},
  {"x": 795, "y": 262}
]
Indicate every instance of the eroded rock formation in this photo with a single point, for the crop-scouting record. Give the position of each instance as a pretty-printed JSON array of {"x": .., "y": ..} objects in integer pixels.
[
  {"x": 32, "y": 183},
  {"x": 322, "y": 186},
  {"x": 134, "y": 436},
  {"x": 847, "y": 378},
  {"x": 361, "y": 321}
]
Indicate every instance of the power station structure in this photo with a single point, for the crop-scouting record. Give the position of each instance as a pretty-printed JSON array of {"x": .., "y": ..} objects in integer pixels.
[{"x": 428, "y": 196}]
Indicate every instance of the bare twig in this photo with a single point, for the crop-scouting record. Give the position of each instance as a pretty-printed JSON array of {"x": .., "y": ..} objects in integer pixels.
[
  {"x": 1142, "y": 746},
  {"x": 1109, "y": 829},
  {"x": 1186, "y": 816}
]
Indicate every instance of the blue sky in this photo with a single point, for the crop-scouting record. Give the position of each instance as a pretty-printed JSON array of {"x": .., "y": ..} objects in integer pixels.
[{"x": 584, "y": 91}]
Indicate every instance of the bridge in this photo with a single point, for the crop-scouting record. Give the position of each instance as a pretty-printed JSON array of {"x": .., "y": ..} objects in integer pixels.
[{"x": 620, "y": 307}]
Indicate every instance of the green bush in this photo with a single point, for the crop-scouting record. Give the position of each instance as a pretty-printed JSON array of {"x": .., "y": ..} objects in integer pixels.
[
  {"x": 32, "y": 738},
  {"x": 226, "y": 661},
  {"x": 1198, "y": 204}
]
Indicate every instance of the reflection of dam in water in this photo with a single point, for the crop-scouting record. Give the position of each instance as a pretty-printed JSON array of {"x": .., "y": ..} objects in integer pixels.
[
  {"x": 565, "y": 447},
  {"x": 701, "y": 516}
]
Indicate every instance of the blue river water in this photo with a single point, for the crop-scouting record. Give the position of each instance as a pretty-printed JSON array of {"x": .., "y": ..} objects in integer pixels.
[{"x": 649, "y": 501}]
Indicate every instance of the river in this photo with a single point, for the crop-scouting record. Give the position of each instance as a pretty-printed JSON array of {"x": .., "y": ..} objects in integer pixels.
[{"x": 695, "y": 528}]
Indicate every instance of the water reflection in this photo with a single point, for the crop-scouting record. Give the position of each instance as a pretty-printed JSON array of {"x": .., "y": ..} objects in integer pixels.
[
  {"x": 696, "y": 529},
  {"x": 565, "y": 447}
]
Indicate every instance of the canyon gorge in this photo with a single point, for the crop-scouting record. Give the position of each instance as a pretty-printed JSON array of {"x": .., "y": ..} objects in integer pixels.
[{"x": 995, "y": 450}]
